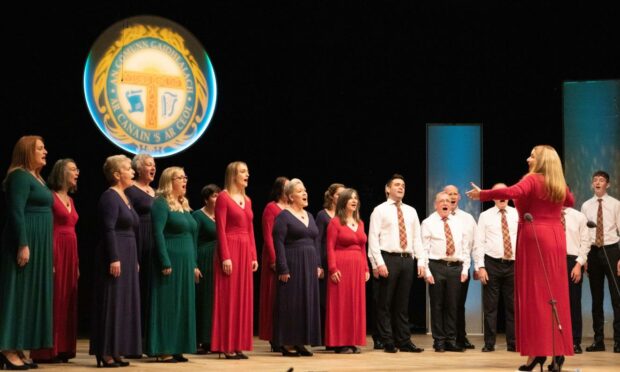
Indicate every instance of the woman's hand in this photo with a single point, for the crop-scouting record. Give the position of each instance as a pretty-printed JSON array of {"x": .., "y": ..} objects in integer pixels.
[
  {"x": 366, "y": 276},
  {"x": 23, "y": 256},
  {"x": 167, "y": 271},
  {"x": 321, "y": 273},
  {"x": 284, "y": 277},
  {"x": 115, "y": 269},
  {"x": 254, "y": 265},
  {"x": 474, "y": 193},
  {"x": 197, "y": 275},
  {"x": 335, "y": 277},
  {"x": 227, "y": 266}
]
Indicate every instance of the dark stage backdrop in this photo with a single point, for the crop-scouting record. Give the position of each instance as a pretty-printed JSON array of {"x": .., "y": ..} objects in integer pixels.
[{"x": 323, "y": 91}]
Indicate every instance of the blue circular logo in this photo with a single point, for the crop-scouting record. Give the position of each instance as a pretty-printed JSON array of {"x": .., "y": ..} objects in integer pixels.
[{"x": 150, "y": 86}]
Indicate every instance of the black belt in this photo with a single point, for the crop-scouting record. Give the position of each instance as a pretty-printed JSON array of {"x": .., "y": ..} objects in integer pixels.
[
  {"x": 403, "y": 254},
  {"x": 499, "y": 260},
  {"x": 447, "y": 263},
  {"x": 605, "y": 246}
]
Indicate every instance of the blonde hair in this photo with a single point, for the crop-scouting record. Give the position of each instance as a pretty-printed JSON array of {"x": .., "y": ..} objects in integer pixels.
[
  {"x": 112, "y": 165},
  {"x": 23, "y": 154},
  {"x": 289, "y": 189},
  {"x": 341, "y": 206},
  {"x": 232, "y": 170},
  {"x": 164, "y": 190},
  {"x": 548, "y": 164}
]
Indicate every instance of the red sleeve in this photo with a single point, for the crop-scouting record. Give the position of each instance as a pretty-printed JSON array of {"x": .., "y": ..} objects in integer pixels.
[
  {"x": 517, "y": 191},
  {"x": 332, "y": 237},
  {"x": 251, "y": 228},
  {"x": 569, "y": 201},
  {"x": 221, "y": 211},
  {"x": 267, "y": 223},
  {"x": 364, "y": 252}
]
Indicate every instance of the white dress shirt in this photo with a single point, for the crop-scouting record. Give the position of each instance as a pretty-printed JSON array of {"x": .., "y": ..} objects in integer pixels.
[
  {"x": 577, "y": 235},
  {"x": 383, "y": 234},
  {"x": 434, "y": 241},
  {"x": 611, "y": 218},
  {"x": 489, "y": 236}
]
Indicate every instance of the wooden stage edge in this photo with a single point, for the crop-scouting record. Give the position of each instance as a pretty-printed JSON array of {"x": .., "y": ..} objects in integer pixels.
[{"x": 369, "y": 360}]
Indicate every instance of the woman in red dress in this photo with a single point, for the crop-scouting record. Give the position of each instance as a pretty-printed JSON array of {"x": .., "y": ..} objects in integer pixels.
[
  {"x": 268, "y": 276},
  {"x": 62, "y": 181},
  {"x": 539, "y": 275},
  {"x": 234, "y": 262},
  {"x": 345, "y": 320}
]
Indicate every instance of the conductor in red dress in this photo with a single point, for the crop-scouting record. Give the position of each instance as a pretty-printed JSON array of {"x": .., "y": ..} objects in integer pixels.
[
  {"x": 539, "y": 274},
  {"x": 234, "y": 262}
]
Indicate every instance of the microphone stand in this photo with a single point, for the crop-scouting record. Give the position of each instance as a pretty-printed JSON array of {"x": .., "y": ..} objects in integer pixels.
[{"x": 555, "y": 319}]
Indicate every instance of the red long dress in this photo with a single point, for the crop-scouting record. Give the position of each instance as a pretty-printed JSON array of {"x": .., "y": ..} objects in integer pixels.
[
  {"x": 268, "y": 276},
  {"x": 65, "y": 284},
  {"x": 345, "y": 319},
  {"x": 233, "y": 294},
  {"x": 533, "y": 322}
]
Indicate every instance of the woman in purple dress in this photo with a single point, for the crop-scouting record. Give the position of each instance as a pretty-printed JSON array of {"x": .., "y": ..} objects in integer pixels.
[{"x": 116, "y": 318}]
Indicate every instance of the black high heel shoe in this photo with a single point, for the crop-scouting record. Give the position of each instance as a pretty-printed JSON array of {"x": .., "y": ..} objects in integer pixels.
[
  {"x": 101, "y": 363},
  {"x": 530, "y": 367},
  {"x": 5, "y": 362},
  {"x": 31, "y": 364},
  {"x": 241, "y": 355},
  {"x": 228, "y": 356},
  {"x": 287, "y": 352},
  {"x": 301, "y": 350},
  {"x": 559, "y": 361},
  {"x": 180, "y": 358},
  {"x": 120, "y": 362}
]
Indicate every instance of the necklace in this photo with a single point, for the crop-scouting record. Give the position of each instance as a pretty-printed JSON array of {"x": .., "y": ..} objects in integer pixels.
[{"x": 65, "y": 199}]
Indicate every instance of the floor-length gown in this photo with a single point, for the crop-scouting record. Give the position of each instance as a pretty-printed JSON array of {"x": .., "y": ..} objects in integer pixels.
[
  {"x": 207, "y": 239},
  {"x": 297, "y": 319},
  {"x": 533, "y": 319},
  {"x": 26, "y": 292},
  {"x": 172, "y": 319},
  {"x": 322, "y": 221},
  {"x": 268, "y": 276},
  {"x": 66, "y": 272},
  {"x": 346, "y": 300},
  {"x": 234, "y": 293},
  {"x": 116, "y": 328}
]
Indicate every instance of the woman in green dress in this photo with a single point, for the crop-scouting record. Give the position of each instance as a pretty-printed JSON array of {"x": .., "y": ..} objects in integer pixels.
[
  {"x": 172, "y": 323},
  {"x": 26, "y": 277},
  {"x": 205, "y": 218}
]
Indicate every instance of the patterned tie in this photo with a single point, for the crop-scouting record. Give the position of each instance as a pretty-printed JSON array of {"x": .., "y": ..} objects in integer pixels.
[
  {"x": 449, "y": 240},
  {"x": 506, "y": 236},
  {"x": 563, "y": 219},
  {"x": 600, "y": 240},
  {"x": 402, "y": 231}
]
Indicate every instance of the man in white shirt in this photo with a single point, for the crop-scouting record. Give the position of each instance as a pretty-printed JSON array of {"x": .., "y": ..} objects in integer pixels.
[
  {"x": 577, "y": 249},
  {"x": 494, "y": 257},
  {"x": 393, "y": 241},
  {"x": 447, "y": 265},
  {"x": 469, "y": 224},
  {"x": 604, "y": 257}
]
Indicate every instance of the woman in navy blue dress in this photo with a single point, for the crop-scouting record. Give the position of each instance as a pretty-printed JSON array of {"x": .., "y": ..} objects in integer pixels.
[
  {"x": 297, "y": 320},
  {"x": 116, "y": 318}
]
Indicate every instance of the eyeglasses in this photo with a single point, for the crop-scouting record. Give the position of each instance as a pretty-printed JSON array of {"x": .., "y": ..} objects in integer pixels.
[{"x": 181, "y": 178}]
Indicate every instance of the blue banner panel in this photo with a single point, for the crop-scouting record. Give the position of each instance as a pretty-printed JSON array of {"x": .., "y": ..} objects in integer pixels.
[
  {"x": 592, "y": 142},
  {"x": 454, "y": 157}
]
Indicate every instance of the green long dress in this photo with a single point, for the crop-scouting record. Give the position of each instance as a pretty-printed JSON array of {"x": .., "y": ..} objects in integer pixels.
[
  {"x": 204, "y": 290},
  {"x": 26, "y": 293},
  {"x": 172, "y": 323}
]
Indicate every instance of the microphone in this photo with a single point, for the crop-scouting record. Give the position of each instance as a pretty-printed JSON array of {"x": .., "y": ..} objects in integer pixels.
[
  {"x": 528, "y": 217},
  {"x": 591, "y": 224}
]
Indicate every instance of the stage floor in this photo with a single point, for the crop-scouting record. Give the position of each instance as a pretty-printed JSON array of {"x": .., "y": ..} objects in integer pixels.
[{"x": 369, "y": 360}]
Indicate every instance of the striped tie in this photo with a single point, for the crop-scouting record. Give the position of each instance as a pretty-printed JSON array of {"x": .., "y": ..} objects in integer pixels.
[
  {"x": 563, "y": 219},
  {"x": 600, "y": 240},
  {"x": 402, "y": 231},
  {"x": 506, "y": 236},
  {"x": 449, "y": 240}
]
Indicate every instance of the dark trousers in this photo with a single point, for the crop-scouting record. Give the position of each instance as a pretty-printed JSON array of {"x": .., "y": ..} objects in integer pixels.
[
  {"x": 461, "y": 334},
  {"x": 501, "y": 283},
  {"x": 374, "y": 306},
  {"x": 393, "y": 301},
  {"x": 444, "y": 295},
  {"x": 574, "y": 294},
  {"x": 598, "y": 269}
]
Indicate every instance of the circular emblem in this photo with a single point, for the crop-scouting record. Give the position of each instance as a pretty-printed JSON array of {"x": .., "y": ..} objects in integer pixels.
[{"x": 150, "y": 86}]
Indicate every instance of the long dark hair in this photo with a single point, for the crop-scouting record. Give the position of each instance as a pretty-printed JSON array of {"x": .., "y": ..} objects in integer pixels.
[
  {"x": 277, "y": 189},
  {"x": 341, "y": 206}
]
